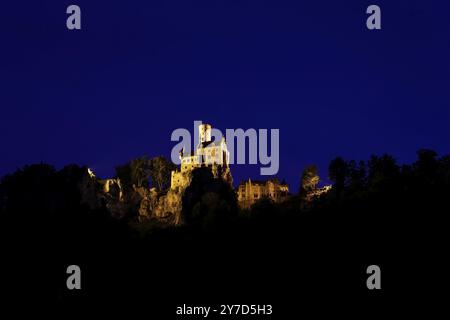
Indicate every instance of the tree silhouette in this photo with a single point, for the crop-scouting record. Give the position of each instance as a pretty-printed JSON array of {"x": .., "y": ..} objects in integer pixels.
[
  {"x": 337, "y": 173},
  {"x": 134, "y": 173},
  {"x": 160, "y": 172},
  {"x": 140, "y": 171},
  {"x": 309, "y": 180}
]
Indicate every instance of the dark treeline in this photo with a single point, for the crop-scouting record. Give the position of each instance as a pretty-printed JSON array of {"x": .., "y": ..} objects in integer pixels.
[{"x": 377, "y": 211}]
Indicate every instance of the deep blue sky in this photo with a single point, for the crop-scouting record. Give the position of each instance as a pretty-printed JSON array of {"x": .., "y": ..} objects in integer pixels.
[{"x": 139, "y": 69}]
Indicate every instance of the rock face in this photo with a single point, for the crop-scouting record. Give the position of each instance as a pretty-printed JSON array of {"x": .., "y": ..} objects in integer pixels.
[
  {"x": 102, "y": 192},
  {"x": 169, "y": 207},
  {"x": 89, "y": 188},
  {"x": 148, "y": 202},
  {"x": 140, "y": 202},
  {"x": 166, "y": 207},
  {"x": 112, "y": 196}
]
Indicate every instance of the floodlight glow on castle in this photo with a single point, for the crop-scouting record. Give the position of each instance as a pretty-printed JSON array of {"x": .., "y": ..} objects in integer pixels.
[{"x": 222, "y": 150}]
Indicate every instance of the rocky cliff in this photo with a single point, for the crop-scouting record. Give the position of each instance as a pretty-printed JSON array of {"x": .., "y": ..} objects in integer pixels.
[{"x": 139, "y": 203}]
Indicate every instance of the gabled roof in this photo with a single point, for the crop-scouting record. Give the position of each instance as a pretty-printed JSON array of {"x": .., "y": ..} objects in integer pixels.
[{"x": 263, "y": 182}]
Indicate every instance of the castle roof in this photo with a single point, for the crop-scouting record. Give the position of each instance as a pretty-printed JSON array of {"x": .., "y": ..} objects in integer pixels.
[{"x": 262, "y": 182}]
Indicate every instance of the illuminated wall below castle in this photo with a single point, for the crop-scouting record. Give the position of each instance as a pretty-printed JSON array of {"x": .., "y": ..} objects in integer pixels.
[{"x": 250, "y": 191}]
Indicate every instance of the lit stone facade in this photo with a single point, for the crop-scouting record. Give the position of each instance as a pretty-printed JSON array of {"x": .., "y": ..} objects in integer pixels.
[
  {"x": 213, "y": 154},
  {"x": 251, "y": 191}
]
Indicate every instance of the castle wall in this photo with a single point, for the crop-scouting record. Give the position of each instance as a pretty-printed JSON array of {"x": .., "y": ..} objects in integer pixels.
[
  {"x": 249, "y": 192},
  {"x": 211, "y": 155}
]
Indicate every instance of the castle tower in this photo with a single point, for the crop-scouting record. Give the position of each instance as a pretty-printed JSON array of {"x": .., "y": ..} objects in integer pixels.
[
  {"x": 213, "y": 155},
  {"x": 204, "y": 131}
]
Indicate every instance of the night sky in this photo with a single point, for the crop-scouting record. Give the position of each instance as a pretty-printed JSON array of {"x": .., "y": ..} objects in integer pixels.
[{"x": 137, "y": 70}]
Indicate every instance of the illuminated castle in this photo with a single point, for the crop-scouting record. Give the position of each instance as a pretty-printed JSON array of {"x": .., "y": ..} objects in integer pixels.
[
  {"x": 215, "y": 155},
  {"x": 211, "y": 154}
]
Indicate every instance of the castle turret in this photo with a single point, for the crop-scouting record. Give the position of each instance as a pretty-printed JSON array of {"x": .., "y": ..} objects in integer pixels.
[{"x": 204, "y": 131}]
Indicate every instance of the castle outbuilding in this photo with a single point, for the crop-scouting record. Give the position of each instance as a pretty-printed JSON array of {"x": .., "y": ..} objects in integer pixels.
[{"x": 251, "y": 191}]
